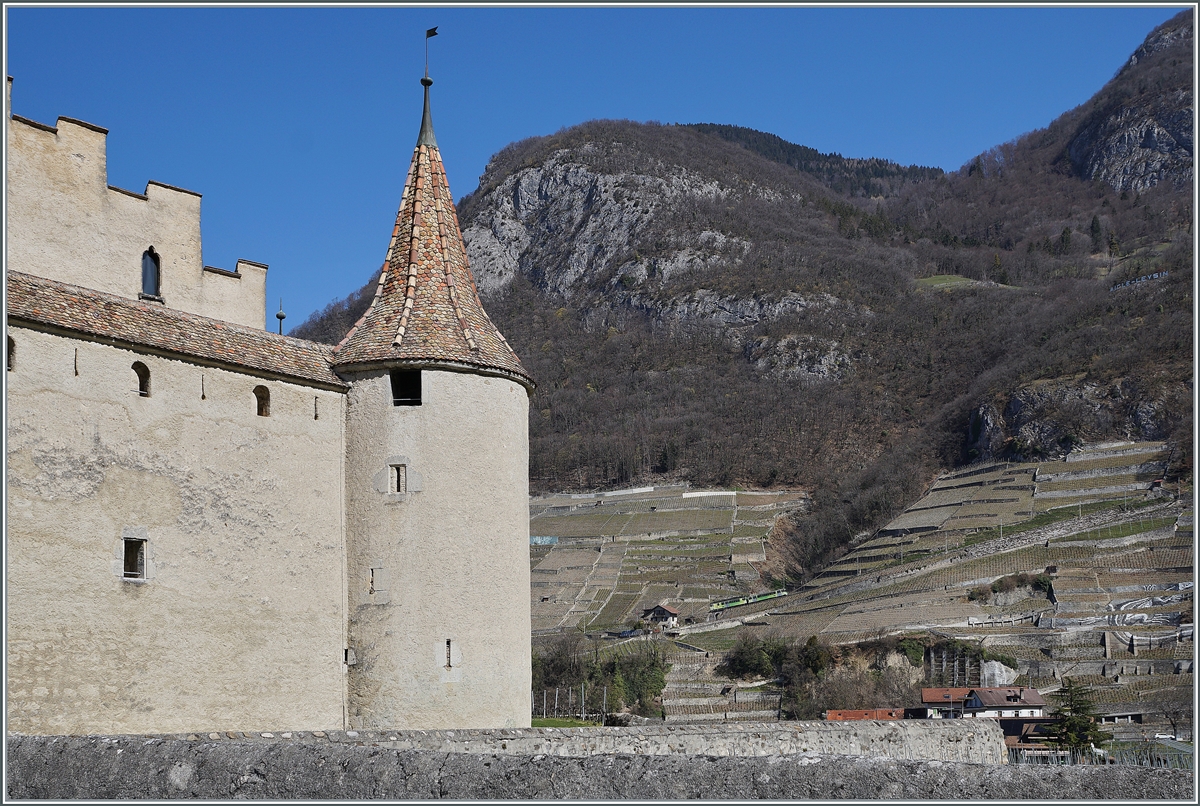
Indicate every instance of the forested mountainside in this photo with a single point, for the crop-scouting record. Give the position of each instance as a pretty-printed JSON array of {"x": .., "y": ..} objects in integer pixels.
[
  {"x": 713, "y": 304},
  {"x": 851, "y": 177}
]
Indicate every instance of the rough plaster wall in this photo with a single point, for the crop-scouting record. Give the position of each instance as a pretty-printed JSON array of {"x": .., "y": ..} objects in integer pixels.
[
  {"x": 454, "y": 554},
  {"x": 242, "y": 299},
  {"x": 128, "y": 768},
  {"x": 66, "y": 224},
  {"x": 242, "y": 622}
]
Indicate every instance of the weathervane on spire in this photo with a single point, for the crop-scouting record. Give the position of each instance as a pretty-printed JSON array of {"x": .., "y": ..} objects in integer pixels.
[{"x": 431, "y": 32}]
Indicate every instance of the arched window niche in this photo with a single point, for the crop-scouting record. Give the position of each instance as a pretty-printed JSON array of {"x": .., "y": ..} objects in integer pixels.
[
  {"x": 142, "y": 372},
  {"x": 262, "y": 398},
  {"x": 151, "y": 275}
]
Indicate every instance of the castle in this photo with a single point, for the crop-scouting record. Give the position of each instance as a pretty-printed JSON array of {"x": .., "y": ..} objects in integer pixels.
[{"x": 214, "y": 527}]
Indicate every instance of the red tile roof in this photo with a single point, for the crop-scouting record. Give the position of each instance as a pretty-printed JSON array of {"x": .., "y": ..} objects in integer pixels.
[
  {"x": 426, "y": 308},
  {"x": 944, "y": 696},
  {"x": 843, "y": 715},
  {"x": 992, "y": 697},
  {"x": 150, "y": 326}
]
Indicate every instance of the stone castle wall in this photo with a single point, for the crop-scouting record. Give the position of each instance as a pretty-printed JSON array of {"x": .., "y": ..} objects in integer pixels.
[
  {"x": 239, "y": 621},
  {"x": 438, "y": 575}
]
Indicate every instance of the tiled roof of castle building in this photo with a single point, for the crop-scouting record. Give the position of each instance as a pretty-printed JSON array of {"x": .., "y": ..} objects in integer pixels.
[
  {"x": 426, "y": 308},
  {"x": 107, "y": 317}
]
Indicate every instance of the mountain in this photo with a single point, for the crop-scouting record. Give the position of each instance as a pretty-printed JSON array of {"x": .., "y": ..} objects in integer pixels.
[
  {"x": 1138, "y": 131},
  {"x": 713, "y": 304}
]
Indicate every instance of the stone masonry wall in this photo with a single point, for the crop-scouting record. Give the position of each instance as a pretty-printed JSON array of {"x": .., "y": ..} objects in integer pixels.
[
  {"x": 976, "y": 741},
  {"x": 128, "y": 767}
]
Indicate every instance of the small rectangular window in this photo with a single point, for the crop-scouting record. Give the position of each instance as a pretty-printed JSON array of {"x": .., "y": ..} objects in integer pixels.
[
  {"x": 406, "y": 387},
  {"x": 448, "y": 664},
  {"x": 378, "y": 582},
  {"x": 135, "y": 559},
  {"x": 399, "y": 479}
]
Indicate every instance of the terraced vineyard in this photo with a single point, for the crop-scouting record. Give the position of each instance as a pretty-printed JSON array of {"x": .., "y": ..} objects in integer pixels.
[
  {"x": 1118, "y": 550},
  {"x": 599, "y": 560}
]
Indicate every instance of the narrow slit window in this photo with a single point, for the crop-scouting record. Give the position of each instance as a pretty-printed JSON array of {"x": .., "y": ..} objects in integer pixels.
[
  {"x": 151, "y": 273},
  {"x": 448, "y": 664},
  {"x": 262, "y": 398},
  {"x": 406, "y": 387},
  {"x": 399, "y": 480},
  {"x": 135, "y": 559},
  {"x": 316, "y": 413},
  {"x": 12, "y": 353},
  {"x": 142, "y": 372}
]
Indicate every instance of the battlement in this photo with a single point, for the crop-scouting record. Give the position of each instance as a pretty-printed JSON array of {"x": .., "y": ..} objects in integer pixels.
[{"x": 59, "y": 199}]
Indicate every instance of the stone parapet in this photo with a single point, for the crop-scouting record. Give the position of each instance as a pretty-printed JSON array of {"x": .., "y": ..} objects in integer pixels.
[
  {"x": 128, "y": 768},
  {"x": 975, "y": 741}
]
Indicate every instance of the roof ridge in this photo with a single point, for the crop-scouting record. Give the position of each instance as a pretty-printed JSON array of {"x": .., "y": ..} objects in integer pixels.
[
  {"x": 374, "y": 299},
  {"x": 107, "y": 316},
  {"x": 451, "y": 291},
  {"x": 411, "y": 185}
]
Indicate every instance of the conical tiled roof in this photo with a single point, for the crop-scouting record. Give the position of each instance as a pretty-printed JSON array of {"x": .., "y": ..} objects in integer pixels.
[{"x": 426, "y": 310}]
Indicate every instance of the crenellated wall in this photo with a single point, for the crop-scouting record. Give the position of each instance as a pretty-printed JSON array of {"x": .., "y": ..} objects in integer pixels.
[{"x": 65, "y": 222}]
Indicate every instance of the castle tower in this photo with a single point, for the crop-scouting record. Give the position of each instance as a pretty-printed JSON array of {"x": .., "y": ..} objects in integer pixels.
[{"x": 436, "y": 487}]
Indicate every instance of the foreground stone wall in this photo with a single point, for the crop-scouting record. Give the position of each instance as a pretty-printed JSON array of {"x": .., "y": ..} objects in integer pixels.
[
  {"x": 136, "y": 767},
  {"x": 972, "y": 741},
  {"x": 934, "y": 740}
]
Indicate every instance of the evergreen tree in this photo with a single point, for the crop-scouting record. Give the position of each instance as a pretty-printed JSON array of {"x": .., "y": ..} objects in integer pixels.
[
  {"x": 999, "y": 275},
  {"x": 1076, "y": 728},
  {"x": 1064, "y": 241},
  {"x": 1094, "y": 231}
]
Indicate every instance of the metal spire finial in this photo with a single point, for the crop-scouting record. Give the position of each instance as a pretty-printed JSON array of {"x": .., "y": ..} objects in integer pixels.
[
  {"x": 426, "y": 138},
  {"x": 281, "y": 316}
]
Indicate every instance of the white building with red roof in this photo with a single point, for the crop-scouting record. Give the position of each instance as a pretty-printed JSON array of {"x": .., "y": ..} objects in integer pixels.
[{"x": 661, "y": 615}]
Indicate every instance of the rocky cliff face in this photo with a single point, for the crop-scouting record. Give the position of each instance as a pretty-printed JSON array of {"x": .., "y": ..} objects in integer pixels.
[
  {"x": 644, "y": 240},
  {"x": 646, "y": 243},
  {"x": 563, "y": 221},
  {"x": 1140, "y": 135},
  {"x": 1045, "y": 419}
]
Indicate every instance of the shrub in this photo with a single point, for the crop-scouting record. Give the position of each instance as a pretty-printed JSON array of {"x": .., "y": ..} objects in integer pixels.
[
  {"x": 748, "y": 658},
  {"x": 913, "y": 650},
  {"x": 1013, "y": 581}
]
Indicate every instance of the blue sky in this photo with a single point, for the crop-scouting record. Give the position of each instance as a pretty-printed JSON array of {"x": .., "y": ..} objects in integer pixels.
[{"x": 297, "y": 124}]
